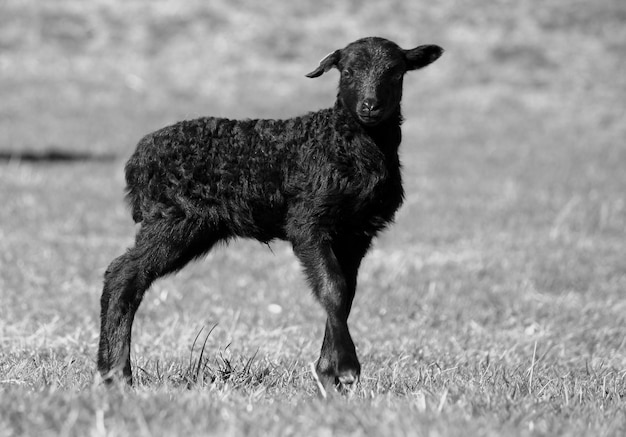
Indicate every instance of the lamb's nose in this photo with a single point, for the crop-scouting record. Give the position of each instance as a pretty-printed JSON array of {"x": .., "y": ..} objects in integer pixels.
[{"x": 369, "y": 105}]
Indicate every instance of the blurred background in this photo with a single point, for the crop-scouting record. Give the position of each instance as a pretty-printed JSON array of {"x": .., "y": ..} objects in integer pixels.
[{"x": 513, "y": 152}]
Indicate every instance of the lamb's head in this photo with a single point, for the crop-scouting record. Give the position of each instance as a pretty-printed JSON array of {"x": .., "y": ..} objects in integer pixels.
[{"x": 371, "y": 71}]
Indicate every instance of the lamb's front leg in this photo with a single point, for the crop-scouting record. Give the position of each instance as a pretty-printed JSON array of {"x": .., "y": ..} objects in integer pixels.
[{"x": 338, "y": 363}]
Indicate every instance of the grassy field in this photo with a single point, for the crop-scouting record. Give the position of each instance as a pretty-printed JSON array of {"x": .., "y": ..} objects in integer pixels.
[{"x": 496, "y": 305}]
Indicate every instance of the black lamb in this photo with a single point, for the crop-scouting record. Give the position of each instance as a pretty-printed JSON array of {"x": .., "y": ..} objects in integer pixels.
[{"x": 327, "y": 182}]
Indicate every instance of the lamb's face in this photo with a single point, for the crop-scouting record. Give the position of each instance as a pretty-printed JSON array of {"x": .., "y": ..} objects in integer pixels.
[
  {"x": 371, "y": 80},
  {"x": 372, "y": 70}
]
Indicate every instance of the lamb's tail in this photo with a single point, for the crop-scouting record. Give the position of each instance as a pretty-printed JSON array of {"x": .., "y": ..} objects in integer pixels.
[
  {"x": 134, "y": 202},
  {"x": 133, "y": 195}
]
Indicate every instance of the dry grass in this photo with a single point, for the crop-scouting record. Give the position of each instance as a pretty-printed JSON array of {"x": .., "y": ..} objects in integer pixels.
[{"x": 494, "y": 306}]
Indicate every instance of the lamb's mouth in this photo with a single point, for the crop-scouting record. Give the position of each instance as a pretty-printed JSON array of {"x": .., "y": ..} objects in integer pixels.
[{"x": 370, "y": 119}]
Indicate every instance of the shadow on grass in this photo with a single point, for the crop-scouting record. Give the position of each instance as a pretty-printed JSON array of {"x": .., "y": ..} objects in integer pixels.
[{"x": 54, "y": 156}]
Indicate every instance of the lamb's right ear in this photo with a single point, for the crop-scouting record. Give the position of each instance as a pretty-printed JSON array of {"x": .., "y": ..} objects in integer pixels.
[{"x": 326, "y": 64}]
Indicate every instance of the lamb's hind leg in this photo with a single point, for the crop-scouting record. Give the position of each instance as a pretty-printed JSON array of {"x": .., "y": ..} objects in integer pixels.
[{"x": 160, "y": 248}]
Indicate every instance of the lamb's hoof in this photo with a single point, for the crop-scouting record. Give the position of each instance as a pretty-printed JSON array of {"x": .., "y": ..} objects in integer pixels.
[
  {"x": 116, "y": 376},
  {"x": 347, "y": 382},
  {"x": 348, "y": 379},
  {"x": 329, "y": 384}
]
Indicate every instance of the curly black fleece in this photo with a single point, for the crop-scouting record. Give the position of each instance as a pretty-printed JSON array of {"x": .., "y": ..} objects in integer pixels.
[{"x": 267, "y": 179}]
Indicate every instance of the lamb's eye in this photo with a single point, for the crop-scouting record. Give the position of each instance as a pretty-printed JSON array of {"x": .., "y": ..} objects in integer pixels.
[
  {"x": 397, "y": 76},
  {"x": 347, "y": 73}
]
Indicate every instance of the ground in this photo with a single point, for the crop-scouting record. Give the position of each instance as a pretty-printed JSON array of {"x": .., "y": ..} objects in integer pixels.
[{"x": 495, "y": 305}]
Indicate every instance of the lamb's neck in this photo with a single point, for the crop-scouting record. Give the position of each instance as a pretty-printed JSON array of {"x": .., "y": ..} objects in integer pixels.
[{"x": 386, "y": 134}]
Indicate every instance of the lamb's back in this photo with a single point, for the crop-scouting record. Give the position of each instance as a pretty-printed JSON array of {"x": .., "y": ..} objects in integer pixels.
[{"x": 192, "y": 166}]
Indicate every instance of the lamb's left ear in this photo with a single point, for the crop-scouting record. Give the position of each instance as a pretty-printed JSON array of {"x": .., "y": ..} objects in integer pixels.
[
  {"x": 326, "y": 64},
  {"x": 421, "y": 56}
]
